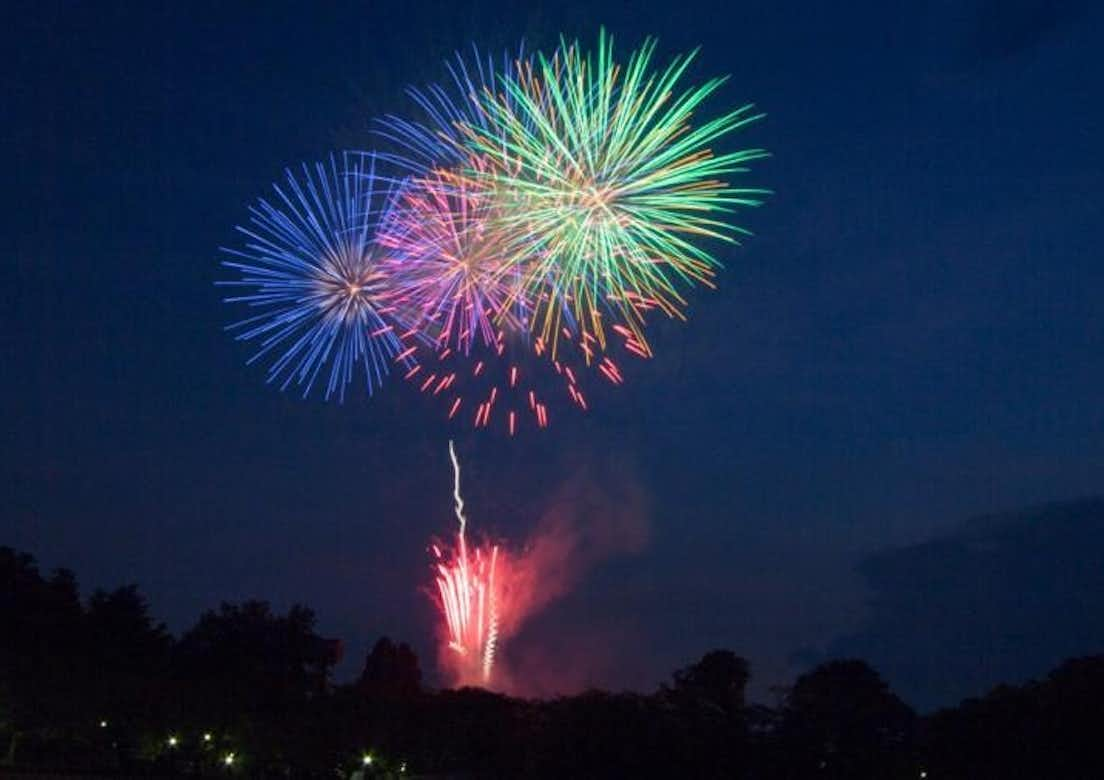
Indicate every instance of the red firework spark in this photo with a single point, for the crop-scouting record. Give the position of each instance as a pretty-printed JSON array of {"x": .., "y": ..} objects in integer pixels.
[{"x": 511, "y": 383}]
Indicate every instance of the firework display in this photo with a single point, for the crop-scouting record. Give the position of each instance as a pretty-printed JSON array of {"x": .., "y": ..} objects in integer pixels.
[
  {"x": 503, "y": 252},
  {"x": 535, "y": 214}
]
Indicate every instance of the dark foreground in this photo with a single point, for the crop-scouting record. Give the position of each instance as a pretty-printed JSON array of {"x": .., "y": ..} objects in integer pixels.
[{"x": 100, "y": 690}]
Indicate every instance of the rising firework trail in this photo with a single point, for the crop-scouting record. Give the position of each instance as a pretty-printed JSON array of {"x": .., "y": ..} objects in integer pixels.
[{"x": 469, "y": 599}]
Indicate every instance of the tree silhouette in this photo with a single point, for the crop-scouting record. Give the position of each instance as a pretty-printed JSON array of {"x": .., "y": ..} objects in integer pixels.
[
  {"x": 717, "y": 680},
  {"x": 129, "y": 654},
  {"x": 1039, "y": 729},
  {"x": 391, "y": 670},
  {"x": 42, "y": 666},
  {"x": 842, "y": 721},
  {"x": 244, "y": 658}
]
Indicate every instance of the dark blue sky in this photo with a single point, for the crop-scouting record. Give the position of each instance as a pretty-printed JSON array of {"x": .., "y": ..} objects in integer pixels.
[{"x": 913, "y": 336}]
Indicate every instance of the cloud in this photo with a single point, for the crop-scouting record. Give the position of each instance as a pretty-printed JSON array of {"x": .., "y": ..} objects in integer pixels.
[{"x": 1001, "y": 599}]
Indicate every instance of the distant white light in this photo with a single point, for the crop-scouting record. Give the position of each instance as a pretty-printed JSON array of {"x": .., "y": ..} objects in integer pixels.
[
  {"x": 229, "y": 759},
  {"x": 173, "y": 741},
  {"x": 103, "y": 724},
  {"x": 207, "y": 736},
  {"x": 367, "y": 759}
]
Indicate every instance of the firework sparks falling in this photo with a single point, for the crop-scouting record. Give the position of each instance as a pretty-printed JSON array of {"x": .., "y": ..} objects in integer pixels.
[
  {"x": 469, "y": 597},
  {"x": 515, "y": 383}
]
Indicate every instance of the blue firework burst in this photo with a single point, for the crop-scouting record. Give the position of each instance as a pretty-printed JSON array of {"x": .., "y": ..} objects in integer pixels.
[{"x": 310, "y": 266}]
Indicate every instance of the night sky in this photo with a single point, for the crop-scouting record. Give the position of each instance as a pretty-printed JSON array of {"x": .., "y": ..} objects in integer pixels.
[{"x": 912, "y": 337}]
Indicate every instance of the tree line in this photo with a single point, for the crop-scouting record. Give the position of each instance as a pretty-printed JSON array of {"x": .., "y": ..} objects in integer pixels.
[{"x": 98, "y": 686}]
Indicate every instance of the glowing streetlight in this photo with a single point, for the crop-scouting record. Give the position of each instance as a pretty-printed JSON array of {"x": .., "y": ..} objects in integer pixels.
[
  {"x": 228, "y": 759},
  {"x": 173, "y": 741},
  {"x": 367, "y": 760},
  {"x": 207, "y": 736}
]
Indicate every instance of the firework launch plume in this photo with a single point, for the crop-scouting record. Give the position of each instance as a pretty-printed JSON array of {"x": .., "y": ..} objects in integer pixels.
[
  {"x": 486, "y": 593},
  {"x": 468, "y": 598}
]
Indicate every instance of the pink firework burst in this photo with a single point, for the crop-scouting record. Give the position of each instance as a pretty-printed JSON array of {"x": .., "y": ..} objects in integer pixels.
[{"x": 450, "y": 276}]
